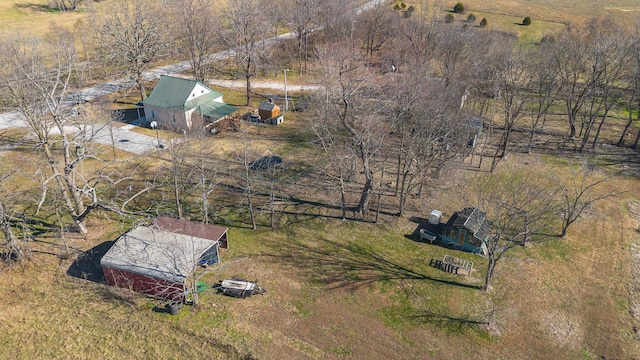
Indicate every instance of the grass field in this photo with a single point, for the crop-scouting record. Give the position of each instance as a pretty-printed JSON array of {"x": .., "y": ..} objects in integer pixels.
[
  {"x": 342, "y": 289},
  {"x": 34, "y": 17},
  {"x": 339, "y": 290},
  {"x": 504, "y": 15},
  {"x": 562, "y": 11}
]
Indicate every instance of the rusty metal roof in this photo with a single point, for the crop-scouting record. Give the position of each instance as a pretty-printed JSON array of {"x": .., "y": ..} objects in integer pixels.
[
  {"x": 157, "y": 253},
  {"x": 190, "y": 228}
]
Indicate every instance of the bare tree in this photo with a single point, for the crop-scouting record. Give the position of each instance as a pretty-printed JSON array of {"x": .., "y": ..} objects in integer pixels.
[
  {"x": 206, "y": 173},
  {"x": 245, "y": 154},
  {"x": 347, "y": 100},
  {"x": 302, "y": 16},
  {"x": 10, "y": 201},
  {"x": 36, "y": 77},
  {"x": 339, "y": 156},
  {"x": 178, "y": 173},
  {"x": 632, "y": 93},
  {"x": 379, "y": 25},
  {"x": 512, "y": 83},
  {"x": 247, "y": 33},
  {"x": 132, "y": 34},
  {"x": 570, "y": 55},
  {"x": 579, "y": 191},
  {"x": 544, "y": 87},
  {"x": 608, "y": 58},
  {"x": 194, "y": 24},
  {"x": 271, "y": 168},
  {"x": 519, "y": 208},
  {"x": 455, "y": 47},
  {"x": 417, "y": 42},
  {"x": 429, "y": 132}
]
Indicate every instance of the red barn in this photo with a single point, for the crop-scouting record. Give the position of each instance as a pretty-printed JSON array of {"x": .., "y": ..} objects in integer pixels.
[{"x": 160, "y": 260}]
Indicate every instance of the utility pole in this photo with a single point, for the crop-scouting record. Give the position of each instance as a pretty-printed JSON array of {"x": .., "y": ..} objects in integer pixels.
[{"x": 286, "y": 98}]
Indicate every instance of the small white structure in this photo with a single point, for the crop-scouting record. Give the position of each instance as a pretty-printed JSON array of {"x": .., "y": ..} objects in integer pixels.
[{"x": 434, "y": 217}]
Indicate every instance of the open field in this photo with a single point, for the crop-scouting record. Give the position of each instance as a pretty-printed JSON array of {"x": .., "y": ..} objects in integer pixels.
[
  {"x": 34, "y": 17},
  {"x": 562, "y": 11},
  {"x": 504, "y": 15},
  {"x": 338, "y": 289}
]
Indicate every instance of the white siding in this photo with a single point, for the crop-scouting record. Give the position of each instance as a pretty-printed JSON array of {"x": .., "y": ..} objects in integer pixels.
[{"x": 198, "y": 90}]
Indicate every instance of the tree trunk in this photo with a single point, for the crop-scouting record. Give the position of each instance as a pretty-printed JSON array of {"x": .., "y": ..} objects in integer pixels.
[
  {"x": 176, "y": 195},
  {"x": 572, "y": 121},
  {"x": 491, "y": 266},
  {"x": 624, "y": 131},
  {"x": 251, "y": 214},
  {"x": 595, "y": 139},
  {"x": 247, "y": 75},
  {"x": 363, "y": 205},
  {"x": 140, "y": 82},
  {"x": 71, "y": 195},
  {"x": 14, "y": 250},
  {"x": 343, "y": 199}
]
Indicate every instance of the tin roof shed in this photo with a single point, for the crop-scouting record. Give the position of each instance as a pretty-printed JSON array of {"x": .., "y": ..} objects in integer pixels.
[{"x": 157, "y": 260}]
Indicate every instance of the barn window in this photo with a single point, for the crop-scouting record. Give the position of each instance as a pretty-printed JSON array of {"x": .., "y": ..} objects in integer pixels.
[
  {"x": 153, "y": 114},
  {"x": 173, "y": 117}
]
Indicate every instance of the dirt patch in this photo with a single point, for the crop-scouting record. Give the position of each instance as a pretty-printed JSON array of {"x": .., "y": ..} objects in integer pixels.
[{"x": 565, "y": 331}]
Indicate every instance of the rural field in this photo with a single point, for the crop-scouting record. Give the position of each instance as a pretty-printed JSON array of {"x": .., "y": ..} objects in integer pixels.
[
  {"x": 340, "y": 290},
  {"x": 341, "y": 282}
]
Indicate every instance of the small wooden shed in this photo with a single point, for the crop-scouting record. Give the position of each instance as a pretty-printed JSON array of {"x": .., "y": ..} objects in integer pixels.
[{"x": 268, "y": 110}]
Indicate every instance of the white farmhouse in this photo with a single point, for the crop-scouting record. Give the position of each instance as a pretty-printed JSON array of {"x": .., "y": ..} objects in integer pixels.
[{"x": 184, "y": 105}]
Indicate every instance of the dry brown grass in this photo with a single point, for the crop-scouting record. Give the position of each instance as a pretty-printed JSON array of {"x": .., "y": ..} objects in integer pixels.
[
  {"x": 563, "y": 11},
  {"x": 563, "y": 300},
  {"x": 567, "y": 299},
  {"x": 34, "y": 17}
]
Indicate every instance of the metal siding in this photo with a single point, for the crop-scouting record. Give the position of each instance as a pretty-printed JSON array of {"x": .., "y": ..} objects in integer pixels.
[{"x": 157, "y": 288}]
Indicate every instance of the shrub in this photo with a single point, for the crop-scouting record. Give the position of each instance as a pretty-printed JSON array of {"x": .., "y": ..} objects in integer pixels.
[
  {"x": 526, "y": 21},
  {"x": 459, "y": 8},
  {"x": 449, "y": 18},
  {"x": 471, "y": 18},
  {"x": 483, "y": 22},
  {"x": 411, "y": 9}
]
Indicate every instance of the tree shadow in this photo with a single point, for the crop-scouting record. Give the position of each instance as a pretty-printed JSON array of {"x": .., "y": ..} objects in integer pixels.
[
  {"x": 87, "y": 264},
  {"x": 348, "y": 266},
  {"x": 451, "y": 324}
]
